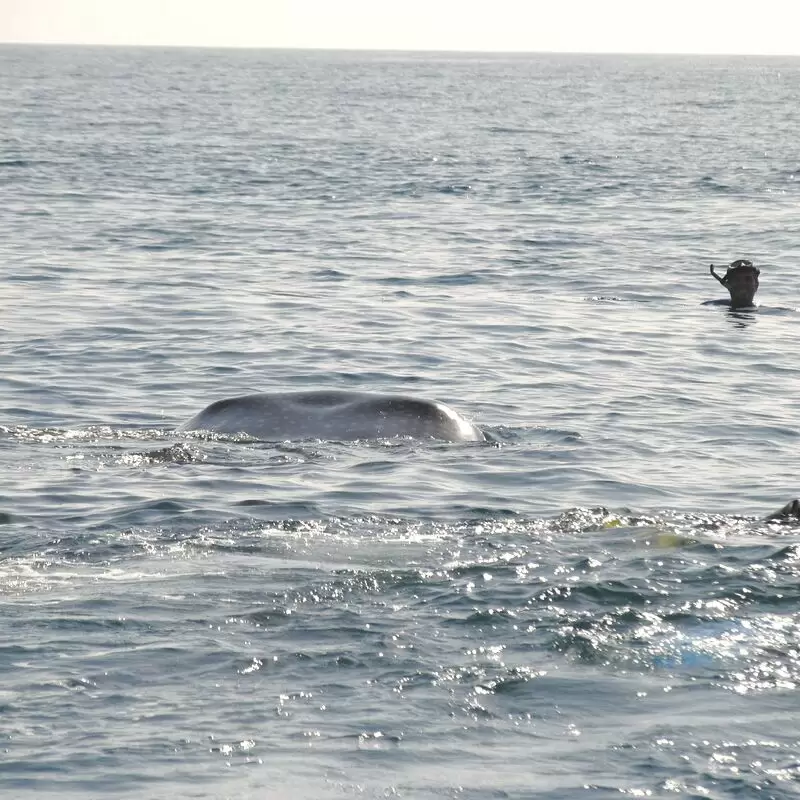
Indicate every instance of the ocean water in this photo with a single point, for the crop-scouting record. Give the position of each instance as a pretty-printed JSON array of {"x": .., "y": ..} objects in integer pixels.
[{"x": 588, "y": 605}]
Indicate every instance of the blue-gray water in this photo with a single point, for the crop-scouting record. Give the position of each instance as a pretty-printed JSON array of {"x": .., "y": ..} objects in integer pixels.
[{"x": 586, "y": 605}]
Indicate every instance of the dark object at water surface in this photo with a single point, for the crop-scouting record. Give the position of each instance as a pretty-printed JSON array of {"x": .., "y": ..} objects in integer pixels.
[
  {"x": 741, "y": 280},
  {"x": 790, "y": 511},
  {"x": 337, "y": 415}
]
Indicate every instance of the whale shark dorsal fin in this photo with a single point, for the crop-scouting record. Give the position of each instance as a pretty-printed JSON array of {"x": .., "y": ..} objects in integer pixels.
[{"x": 790, "y": 511}]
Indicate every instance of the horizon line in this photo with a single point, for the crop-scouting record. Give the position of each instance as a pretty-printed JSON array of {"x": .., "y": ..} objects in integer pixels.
[{"x": 421, "y": 50}]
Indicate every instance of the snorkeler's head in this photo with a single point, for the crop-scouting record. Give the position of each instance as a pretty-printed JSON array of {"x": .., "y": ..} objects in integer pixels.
[{"x": 741, "y": 280}]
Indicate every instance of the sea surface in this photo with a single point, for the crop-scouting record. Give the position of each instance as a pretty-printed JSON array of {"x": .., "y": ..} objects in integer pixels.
[{"x": 588, "y": 605}]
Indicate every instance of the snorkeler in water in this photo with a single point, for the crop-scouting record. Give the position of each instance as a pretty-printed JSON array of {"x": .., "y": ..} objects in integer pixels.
[{"x": 741, "y": 280}]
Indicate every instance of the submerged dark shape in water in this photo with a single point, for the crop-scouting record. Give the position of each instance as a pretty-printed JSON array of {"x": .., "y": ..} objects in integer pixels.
[
  {"x": 741, "y": 280},
  {"x": 337, "y": 415},
  {"x": 790, "y": 511}
]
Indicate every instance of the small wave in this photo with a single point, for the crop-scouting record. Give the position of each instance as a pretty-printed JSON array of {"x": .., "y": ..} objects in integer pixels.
[
  {"x": 330, "y": 274},
  {"x": 453, "y": 279},
  {"x": 174, "y": 454},
  {"x": 715, "y": 185},
  {"x": 92, "y": 433}
]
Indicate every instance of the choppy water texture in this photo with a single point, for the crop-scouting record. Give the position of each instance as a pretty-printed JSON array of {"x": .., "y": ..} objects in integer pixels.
[{"x": 588, "y": 604}]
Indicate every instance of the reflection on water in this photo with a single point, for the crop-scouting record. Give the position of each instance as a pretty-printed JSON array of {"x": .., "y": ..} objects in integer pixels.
[{"x": 741, "y": 318}]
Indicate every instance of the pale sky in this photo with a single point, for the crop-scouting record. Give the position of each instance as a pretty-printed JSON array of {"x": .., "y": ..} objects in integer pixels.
[{"x": 618, "y": 26}]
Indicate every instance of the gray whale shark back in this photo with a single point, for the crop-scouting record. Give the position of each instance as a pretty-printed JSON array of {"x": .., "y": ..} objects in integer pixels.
[{"x": 337, "y": 415}]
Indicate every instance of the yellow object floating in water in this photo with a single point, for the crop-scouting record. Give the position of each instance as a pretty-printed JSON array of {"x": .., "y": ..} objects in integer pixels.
[{"x": 672, "y": 540}]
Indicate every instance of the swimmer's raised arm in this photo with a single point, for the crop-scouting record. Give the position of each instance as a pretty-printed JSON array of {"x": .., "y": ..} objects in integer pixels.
[{"x": 721, "y": 280}]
